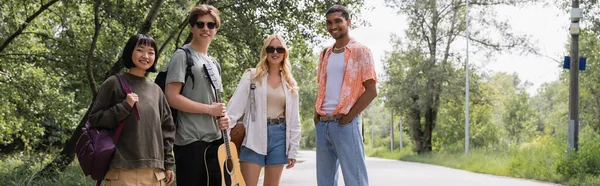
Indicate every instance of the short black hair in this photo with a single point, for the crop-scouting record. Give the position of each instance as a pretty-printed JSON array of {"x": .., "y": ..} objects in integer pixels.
[
  {"x": 134, "y": 41},
  {"x": 338, "y": 8}
]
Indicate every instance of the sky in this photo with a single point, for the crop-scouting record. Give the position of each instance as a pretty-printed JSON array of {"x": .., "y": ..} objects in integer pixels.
[{"x": 545, "y": 23}]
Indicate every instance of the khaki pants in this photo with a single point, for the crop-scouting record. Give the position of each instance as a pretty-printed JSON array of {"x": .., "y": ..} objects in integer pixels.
[{"x": 136, "y": 177}]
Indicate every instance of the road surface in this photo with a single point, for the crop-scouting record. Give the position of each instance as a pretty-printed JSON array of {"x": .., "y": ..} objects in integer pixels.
[{"x": 383, "y": 172}]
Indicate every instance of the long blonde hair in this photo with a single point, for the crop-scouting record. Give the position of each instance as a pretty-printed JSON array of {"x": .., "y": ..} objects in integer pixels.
[{"x": 263, "y": 65}]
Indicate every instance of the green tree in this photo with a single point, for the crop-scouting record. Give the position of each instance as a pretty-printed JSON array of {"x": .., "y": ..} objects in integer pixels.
[
  {"x": 70, "y": 44},
  {"x": 589, "y": 82},
  {"x": 426, "y": 51},
  {"x": 449, "y": 132},
  {"x": 513, "y": 109},
  {"x": 551, "y": 104},
  {"x": 304, "y": 65}
]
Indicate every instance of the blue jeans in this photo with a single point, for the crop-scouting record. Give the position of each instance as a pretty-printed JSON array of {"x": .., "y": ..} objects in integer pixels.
[
  {"x": 340, "y": 145},
  {"x": 276, "y": 153}
]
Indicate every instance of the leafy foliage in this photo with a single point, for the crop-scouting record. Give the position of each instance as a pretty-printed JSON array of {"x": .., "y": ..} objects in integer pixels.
[
  {"x": 423, "y": 66},
  {"x": 44, "y": 68}
]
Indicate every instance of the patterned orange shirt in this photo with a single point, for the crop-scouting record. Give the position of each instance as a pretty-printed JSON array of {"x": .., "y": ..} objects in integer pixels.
[{"x": 358, "y": 68}]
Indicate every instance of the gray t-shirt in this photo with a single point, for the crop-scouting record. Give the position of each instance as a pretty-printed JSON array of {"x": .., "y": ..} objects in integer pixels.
[{"x": 194, "y": 127}]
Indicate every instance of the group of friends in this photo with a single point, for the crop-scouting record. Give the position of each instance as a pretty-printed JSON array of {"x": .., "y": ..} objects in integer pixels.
[{"x": 150, "y": 148}]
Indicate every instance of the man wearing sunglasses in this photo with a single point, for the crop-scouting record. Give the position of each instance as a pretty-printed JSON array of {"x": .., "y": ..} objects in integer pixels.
[
  {"x": 346, "y": 77},
  {"x": 197, "y": 137}
]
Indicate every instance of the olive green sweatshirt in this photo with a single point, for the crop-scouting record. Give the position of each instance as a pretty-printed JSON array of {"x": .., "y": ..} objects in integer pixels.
[{"x": 146, "y": 143}]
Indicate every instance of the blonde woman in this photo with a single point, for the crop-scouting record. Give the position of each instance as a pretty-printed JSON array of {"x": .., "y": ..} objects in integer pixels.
[{"x": 273, "y": 123}]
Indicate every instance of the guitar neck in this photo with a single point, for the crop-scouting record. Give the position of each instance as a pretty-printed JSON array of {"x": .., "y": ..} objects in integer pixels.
[
  {"x": 223, "y": 132},
  {"x": 215, "y": 84}
]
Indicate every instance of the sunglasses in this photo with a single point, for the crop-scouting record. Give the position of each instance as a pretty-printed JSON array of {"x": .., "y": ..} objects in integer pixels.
[
  {"x": 272, "y": 49},
  {"x": 210, "y": 25}
]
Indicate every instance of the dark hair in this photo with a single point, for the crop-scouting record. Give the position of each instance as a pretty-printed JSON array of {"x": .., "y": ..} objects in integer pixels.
[
  {"x": 338, "y": 8},
  {"x": 134, "y": 41},
  {"x": 202, "y": 10}
]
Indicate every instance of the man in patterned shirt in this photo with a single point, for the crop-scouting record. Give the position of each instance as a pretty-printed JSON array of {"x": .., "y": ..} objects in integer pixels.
[{"x": 347, "y": 79}]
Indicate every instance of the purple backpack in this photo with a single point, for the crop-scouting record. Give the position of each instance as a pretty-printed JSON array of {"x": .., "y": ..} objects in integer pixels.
[{"x": 95, "y": 146}]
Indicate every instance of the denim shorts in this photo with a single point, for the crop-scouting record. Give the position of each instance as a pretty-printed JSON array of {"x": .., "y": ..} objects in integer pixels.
[{"x": 276, "y": 152}]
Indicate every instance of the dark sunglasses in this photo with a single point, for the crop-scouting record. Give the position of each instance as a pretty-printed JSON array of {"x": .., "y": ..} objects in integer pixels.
[
  {"x": 210, "y": 25},
  {"x": 271, "y": 49}
]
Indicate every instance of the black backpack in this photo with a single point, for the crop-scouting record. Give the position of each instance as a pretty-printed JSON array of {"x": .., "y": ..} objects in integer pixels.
[{"x": 161, "y": 78}]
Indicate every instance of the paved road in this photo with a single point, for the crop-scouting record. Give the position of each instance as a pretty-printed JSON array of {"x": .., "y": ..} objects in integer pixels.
[{"x": 383, "y": 172}]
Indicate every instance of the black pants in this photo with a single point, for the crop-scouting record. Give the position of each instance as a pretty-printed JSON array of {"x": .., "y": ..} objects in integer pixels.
[{"x": 190, "y": 164}]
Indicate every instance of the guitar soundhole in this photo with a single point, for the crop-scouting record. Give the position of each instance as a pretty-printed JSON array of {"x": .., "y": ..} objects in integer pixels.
[{"x": 229, "y": 165}]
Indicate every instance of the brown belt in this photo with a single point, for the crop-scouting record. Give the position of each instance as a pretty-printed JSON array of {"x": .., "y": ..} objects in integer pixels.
[
  {"x": 330, "y": 118},
  {"x": 275, "y": 120}
]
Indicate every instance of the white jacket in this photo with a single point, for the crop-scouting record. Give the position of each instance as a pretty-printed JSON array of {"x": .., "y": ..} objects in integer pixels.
[{"x": 256, "y": 131}]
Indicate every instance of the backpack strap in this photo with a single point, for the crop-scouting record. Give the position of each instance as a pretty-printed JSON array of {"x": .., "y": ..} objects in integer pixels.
[
  {"x": 127, "y": 89},
  {"x": 252, "y": 106},
  {"x": 188, "y": 69}
]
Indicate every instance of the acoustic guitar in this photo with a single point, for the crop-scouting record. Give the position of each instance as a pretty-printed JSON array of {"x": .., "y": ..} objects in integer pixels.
[{"x": 227, "y": 155}]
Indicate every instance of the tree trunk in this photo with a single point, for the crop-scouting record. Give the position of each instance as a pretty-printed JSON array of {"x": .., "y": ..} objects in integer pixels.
[
  {"x": 432, "y": 102},
  {"x": 66, "y": 156},
  {"x": 150, "y": 17},
  {"x": 414, "y": 120},
  {"x": 90, "y": 56},
  {"x": 179, "y": 36},
  {"x": 431, "y": 108},
  {"x": 170, "y": 38},
  {"x": 189, "y": 38},
  {"x": 597, "y": 127},
  {"x": 24, "y": 25},
  {"x": 428, "y": 131},
  {"x": 392, "y": 131},
  {"x": 430, "y": 121}
]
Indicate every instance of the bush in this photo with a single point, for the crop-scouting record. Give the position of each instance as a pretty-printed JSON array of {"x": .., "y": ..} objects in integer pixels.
[
  {"x": 535, "y": 159},
  {"x": 544, "y": 159},
  {"x": 38, "y": 112},
  {"x": 383, "y": 152},
  {"x": 20, "y": 169},
  {"x": 582, "y": 163}
]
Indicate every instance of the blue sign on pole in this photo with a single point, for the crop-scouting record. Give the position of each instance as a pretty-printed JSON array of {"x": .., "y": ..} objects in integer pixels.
[{"x": 567, "y": 63}]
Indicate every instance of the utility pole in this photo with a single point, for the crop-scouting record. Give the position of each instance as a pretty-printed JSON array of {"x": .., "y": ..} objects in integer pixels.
[
  {"x": 401, "y": 131},
  {"x": 392, "y": 133},
  {"x": 574, "y": 30},
  {"x": 364, "y": 122},
  {"x": 467, "y": 82},
  {"x": 372, "y": 136}
]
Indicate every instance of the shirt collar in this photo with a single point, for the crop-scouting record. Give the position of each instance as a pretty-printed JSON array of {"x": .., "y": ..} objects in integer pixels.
[{"x": 348, "y": 46}]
